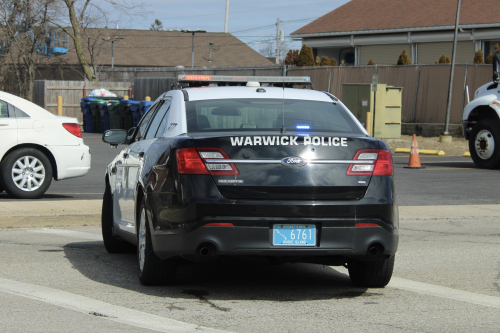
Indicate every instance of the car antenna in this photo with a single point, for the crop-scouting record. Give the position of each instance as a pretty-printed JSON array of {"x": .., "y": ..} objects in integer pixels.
[{"x": 283, "y": 129}]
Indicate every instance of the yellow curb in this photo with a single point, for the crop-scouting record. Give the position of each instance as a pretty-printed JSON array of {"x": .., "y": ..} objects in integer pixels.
[
  {"x": 421, "y": 151},
  {"x": 466, "y": 154}
]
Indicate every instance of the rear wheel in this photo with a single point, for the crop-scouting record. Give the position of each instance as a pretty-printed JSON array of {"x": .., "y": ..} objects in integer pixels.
[
  {"x": 152, "y": 270},
  {"x": 484, "y": 144},
  {"x": 371, "y": 274},
  {"x": 26, "y": 173},
  {"x": 111, "y": 243}
]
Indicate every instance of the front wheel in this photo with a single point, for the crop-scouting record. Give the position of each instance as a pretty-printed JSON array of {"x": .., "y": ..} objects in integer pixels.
[
  {"x": 26, "y": 173},
  {"x": 371, "y": 274},
  {"x": 152, "y": 270},
  {"x": 484, "y": 144}
]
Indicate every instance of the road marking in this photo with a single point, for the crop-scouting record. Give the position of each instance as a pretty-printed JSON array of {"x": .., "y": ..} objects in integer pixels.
[
  {"x": 68, "y": 233},
  {"x": 444, "y": 292},
  {"x": 103, "y": 310}
]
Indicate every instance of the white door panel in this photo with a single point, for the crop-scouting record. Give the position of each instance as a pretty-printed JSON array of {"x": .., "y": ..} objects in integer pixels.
[{"x": 8, "y": 129}]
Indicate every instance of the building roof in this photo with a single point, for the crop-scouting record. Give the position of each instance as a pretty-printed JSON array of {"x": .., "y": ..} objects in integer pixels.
[
  {"x": 148, "y": 48},
  {"x": 380, "y": 15}
]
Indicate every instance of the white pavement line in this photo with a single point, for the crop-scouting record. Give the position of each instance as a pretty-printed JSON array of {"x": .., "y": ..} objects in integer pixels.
[
  {"x": 68, "y": 233},
  {"x": 101, "y": 309},
  {"x": 445, "y": 292}
]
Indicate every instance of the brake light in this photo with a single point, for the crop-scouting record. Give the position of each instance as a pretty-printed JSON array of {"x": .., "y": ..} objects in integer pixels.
[
  {"x": 217, "y": 166},
  {"x": 189, "y": 162},
  {"x": 366, "y": 225},
  {"x": 219, "y": 225},
  {"x": 73, "y": 129},
  {"x": 381, "y": 163}
]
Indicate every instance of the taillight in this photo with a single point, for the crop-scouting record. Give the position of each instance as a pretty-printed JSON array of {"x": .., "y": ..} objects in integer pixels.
[
  {"x": 73, "y": 129},
  {"x": 379, "y": 163},
  {"x": 214, "y": 161},
  {"x": 189, "y": 162},
  {"x": 204, "y": 161}
]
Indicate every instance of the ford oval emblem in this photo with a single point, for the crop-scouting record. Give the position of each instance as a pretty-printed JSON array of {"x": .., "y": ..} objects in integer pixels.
[{"x": 293, "y": 161}]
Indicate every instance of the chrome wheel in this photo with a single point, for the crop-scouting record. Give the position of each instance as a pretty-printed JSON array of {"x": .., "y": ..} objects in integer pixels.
[
  {"x": 142, "y": 240},
  {"x": 484, "y": 144},
  {"x": 28, "y": 173}
]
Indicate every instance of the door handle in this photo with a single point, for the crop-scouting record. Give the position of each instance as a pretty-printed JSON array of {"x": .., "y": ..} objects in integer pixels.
[
  {"x": 141, "y": 154},
  {"x": 125, "y": 155}
]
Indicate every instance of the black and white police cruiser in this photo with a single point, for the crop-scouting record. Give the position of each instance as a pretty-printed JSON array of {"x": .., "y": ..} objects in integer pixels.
[{"x": 251, "y": 166}]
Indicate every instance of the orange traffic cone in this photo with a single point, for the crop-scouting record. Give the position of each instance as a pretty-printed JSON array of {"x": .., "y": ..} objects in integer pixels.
[{"x": 414, "y": 162}]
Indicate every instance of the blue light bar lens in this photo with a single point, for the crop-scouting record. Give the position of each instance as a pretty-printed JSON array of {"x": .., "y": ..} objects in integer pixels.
[{"x": 302, "y": 127}]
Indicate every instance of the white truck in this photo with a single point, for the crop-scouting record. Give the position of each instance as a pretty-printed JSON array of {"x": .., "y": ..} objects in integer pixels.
[{"x": 481, "y": 122}]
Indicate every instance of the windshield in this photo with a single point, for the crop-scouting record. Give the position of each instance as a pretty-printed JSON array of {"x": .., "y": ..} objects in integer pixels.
[{"x": 249, "y": 115}]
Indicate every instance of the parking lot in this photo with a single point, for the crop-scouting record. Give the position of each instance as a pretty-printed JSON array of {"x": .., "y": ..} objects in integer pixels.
[{"x": 56, "y": 274}]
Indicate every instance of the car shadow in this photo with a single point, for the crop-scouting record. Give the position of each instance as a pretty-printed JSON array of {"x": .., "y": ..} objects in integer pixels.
[
  {"x": 4, "y": 195},
  {"x": 225, "y": 278}
]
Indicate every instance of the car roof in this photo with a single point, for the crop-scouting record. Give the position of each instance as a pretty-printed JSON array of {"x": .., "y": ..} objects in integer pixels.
[
  {"x": 33, "y": 110},
  {"x": 203, "y": 93}
]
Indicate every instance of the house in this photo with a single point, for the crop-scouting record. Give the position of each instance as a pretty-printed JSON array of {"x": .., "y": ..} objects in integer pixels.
[{"x": 379, "y": 30}]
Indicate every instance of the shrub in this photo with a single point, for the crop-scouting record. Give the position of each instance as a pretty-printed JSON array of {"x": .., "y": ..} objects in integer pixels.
[
  {"x": 333, "y": 62},
  {"x": 403, "y": 58},
  {"x": 479, "y": 57},
  {"x": 371, "y": 63},
  {"x": 342, "y": 63},
  {"x": 306, "y": 57},
  {"x": 292, "y": 57}
]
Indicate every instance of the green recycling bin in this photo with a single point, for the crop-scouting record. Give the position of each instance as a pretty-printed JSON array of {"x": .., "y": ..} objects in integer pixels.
[
  {"x": 114, "y": 114},
  {"x": 96, "y": 114},
  {"x": 127, "y": 120}
]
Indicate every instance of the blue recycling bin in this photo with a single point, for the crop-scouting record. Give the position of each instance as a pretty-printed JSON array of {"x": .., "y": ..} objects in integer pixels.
[
  {"x": 88, "y": 120},
  {"x": 144, "y": 107},
  {"x": 136, "y": 114}
]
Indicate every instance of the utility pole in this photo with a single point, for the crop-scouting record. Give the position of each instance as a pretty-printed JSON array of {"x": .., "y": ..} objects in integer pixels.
[
  {"x": 278, "y": 42},
  {"x": 446, "y": 137},
  {"x": 227, "y": 15},
  {"x": 192, "y": 49}
]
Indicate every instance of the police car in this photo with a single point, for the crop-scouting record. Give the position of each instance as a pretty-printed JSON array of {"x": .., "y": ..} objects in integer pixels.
[{"x": 251, "y": 166}]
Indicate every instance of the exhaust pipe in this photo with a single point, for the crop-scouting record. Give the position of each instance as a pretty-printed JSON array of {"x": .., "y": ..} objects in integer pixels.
[
  {"x": 375, "y": 251},
  {"x": 206, "y": 251}
]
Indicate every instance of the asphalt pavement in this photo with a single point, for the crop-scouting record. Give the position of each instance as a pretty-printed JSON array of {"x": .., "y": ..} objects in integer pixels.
[{"x": 446, "y": 180}]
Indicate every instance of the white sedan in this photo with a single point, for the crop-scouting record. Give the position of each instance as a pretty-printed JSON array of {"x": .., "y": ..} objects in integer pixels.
[{"x": 36, "y": 146}]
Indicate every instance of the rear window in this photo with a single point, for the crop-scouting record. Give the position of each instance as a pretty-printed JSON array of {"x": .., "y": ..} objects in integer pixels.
[{"x": 249, "y": 115}]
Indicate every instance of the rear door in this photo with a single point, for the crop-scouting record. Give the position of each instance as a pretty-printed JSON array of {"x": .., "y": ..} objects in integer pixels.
[{"x": 302, "y": 150}]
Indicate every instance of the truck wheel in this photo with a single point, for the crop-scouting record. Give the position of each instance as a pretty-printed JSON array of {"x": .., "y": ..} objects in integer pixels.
[
  {"x": 371, "y": 274},
  {"x": 484, "y": 144},
  {"x": 152, "y": 270},
  {"x": 111, "y": 243},
  {"x": 26, "y": 173}
]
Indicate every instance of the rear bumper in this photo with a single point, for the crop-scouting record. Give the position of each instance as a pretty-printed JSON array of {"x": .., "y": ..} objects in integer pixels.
[
  {"x": 72, "y": 161},
  {"x": 349, "y": 242}
]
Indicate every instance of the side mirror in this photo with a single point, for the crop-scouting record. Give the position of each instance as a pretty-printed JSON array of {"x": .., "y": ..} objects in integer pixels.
[{"x": 114, "y": 136}]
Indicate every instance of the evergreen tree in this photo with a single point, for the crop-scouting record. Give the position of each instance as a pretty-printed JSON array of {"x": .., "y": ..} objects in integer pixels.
[
  {"x": 333, "y": 62},
  {"x": 306, "y": 57},
  {"x": 442, "y": 59},
  {"x": 292, "y": 57},
  {"x": 448, "y": 61},
  {"x": 496, "y": 50},
  {"x": 403, "y": 58},
  {"x": 325, "y": 61},
  {"x": 157, "y": 25},
  {"x": 370, "y": 63},
  {"x": 317, "y": 61},
  {"x": 342, "y": 63},
  {"x": 479, "y": 57}
]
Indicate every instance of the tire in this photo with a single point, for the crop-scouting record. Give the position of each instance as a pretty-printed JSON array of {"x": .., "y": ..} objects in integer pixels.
[
  {"x": 111, "y": 243},
  {"x": 484, "y": 144},
  {"x": 152, "y": 270},
  {"x": 26, "y": 173},
  {"x": 371, "y": 274}
]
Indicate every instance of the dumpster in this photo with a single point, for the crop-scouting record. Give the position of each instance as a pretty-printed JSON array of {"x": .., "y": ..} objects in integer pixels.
[
  {"x": 144, "y": 107},
  {"x": 96, "y": 115},
  {"x": 136, "y": 113},
  {"x": 110, "y": 115},
  {"x": 88, "y": 121},
  {"x": 126, "y": 116}
]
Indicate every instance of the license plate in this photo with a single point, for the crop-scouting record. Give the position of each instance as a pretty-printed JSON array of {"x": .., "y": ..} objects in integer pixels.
[{"x": 294, "y": 235}]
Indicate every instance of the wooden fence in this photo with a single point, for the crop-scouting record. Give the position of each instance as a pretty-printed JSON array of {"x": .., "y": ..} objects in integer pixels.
[{"x": 46, "y": 92}]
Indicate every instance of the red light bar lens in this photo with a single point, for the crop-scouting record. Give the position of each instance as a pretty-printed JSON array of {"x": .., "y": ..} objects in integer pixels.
[
  {"x": 189, "y": 162},
  {"x": 366, "y": 225},
  {"x": 198, "y": 77},
  {"x": 219, "y": 225},
  {"x": 73, "y": 129}
]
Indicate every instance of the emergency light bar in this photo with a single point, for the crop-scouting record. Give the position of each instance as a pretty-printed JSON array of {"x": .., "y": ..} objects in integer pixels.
[{"x": 261, "y": 79}]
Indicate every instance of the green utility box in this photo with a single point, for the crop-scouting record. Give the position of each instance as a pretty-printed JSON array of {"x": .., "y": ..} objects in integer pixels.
[{"x": 379, "y": 111}]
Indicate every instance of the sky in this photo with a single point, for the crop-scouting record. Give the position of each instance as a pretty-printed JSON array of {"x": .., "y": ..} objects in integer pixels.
[{"x": 252, "y": 21}]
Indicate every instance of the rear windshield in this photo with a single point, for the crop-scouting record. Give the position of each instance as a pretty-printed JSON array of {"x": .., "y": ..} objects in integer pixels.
[{"x": 247, "y": 115}]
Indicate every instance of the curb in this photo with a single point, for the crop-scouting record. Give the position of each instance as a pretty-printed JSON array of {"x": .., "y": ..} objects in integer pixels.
[
  {"x": 421, "y": 151},
  {"x": 466, "y": 154}
]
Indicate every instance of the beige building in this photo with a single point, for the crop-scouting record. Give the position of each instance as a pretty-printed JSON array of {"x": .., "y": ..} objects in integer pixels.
[{"x": 379, "y": 30}]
